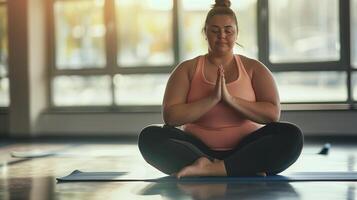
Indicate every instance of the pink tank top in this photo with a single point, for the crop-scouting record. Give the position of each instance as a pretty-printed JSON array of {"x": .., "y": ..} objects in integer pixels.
[{"x": 221, "y": 128}]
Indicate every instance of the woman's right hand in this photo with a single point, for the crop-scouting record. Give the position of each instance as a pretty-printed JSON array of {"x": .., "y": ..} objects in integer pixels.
[{"x": 217, "y": 95}]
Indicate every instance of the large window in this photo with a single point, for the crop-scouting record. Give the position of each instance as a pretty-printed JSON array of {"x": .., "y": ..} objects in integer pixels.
[
  {"x": 120, "y": 52},
  {"x": 144, "y": 32},
  {"x": 144, "y": 35},
  {"x": 80, "y": 31},
  {"x": 303, "y": 31},
  {"x": 304, "y": 50},
  {"x": 319, "y": 86},
  {"x": 82, "y": 90},
  {"x": 4, "y": 80},
  {"x": 139, "y": 89}
]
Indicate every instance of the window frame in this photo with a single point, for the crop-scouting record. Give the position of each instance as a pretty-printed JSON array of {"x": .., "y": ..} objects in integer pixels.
[
  {"x": 111, "y": 68},
  {"x": 4, "y": 109}
]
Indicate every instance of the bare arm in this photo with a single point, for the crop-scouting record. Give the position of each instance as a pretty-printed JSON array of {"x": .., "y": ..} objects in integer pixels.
[
  {"x": 267, "y": 106},
  {"x": 176, "y": 111}
]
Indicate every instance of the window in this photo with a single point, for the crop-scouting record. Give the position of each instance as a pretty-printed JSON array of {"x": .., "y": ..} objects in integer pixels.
[
  {"x": 101, "y": 48},
  {"x": 304, "y": 50},
  {"x": 120, "y": 52},
  {"x": 303, "y": 31},
  {"x": 354, "y": 33},
  {"x": 311, "y": 86},
  {"x": 82, "y": 90},
  {"x": 80, "y": 31},
  {"x": 144, "y": 32},
  {"x": 354, "y": 84},
  {"x": 140, "y": 89},
  {"x": 4, "y": 80}
]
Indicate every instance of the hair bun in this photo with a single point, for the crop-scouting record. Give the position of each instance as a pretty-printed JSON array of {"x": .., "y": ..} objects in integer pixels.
[{"x": 222, "y": 3}]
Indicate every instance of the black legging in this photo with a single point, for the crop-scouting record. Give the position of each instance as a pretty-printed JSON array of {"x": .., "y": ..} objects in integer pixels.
[{"x": 271, "y": 149}]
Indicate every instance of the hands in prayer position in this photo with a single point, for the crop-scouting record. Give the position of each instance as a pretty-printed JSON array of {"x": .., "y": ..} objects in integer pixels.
[{"x": 221, "y": 92}]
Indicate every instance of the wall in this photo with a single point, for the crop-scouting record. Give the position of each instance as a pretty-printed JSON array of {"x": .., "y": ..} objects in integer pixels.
[
  {"x": 311, "y": 122},
  {"x": 4, "y": 123}
]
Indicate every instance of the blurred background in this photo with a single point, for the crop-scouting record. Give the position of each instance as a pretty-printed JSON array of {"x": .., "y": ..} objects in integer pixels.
[{"x": 94, "y": 67}]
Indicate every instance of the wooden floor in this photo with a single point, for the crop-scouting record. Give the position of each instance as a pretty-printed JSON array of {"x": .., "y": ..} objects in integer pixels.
[{"x": 34, "y": 179}]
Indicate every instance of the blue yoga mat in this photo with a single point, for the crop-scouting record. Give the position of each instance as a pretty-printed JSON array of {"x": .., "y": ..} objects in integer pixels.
[
  {"x": 66, "y": 153},
  {"x": 125, "y": 176}
]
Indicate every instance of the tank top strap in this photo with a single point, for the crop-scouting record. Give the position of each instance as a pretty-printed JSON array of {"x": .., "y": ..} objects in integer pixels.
[
  {"x": 241, "y": 68},
  {"x": 199, "y": 67}
]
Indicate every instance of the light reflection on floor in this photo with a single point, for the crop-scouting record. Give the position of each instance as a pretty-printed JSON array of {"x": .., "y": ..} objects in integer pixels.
[{"x": 34, "y": 179}]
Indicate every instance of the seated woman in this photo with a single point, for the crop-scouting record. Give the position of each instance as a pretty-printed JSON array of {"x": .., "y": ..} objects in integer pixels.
[{"x": 228, "y": 106}]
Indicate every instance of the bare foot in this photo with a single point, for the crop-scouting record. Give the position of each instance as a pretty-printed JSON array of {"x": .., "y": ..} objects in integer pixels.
[{"x": 203, "y": 167}]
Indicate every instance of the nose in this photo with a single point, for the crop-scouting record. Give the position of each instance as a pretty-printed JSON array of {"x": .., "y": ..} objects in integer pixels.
[{"x": 222, "y": 34}]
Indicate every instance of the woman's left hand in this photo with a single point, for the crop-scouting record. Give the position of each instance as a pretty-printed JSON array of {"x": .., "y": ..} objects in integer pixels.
[{"x": 226, "y": 97}]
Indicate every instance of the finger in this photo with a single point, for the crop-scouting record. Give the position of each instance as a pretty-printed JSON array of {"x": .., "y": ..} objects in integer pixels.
[
  {"x": 220, "y": 67},
  {"x": 223, "y": 85},
  {"x": 218, "y": 75},
  {"x": 221, "y": 77},
  {"x": 223, "y": 80}
]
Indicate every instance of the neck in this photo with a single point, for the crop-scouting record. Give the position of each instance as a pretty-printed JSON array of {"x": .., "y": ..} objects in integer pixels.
[{"x": 218, "y": 60}]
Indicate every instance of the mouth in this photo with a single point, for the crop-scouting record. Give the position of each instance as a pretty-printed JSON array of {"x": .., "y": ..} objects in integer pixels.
[{"x": 221, "y": 44}]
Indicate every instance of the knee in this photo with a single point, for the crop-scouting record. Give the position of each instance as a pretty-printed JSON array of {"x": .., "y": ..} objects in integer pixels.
[
  {"x": 294, "y": 132},
  {"x": 148, "y": 134},
  {"x": 294, "y": 137},
  {"x": 290, "y": 132}
]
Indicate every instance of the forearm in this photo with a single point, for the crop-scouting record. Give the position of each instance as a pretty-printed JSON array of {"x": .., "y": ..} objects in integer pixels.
[
  {"x": 177, "y": 115},
  {"x": 260, "y": 112}
]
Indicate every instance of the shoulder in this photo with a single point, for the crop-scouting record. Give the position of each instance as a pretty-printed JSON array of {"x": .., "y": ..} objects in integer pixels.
[
  {"x": 253, "y": 66},
  {"x": 187, "y": 67}
]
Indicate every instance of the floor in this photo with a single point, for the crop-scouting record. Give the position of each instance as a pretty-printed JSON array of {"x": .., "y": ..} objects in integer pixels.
[{"x": 34, "y": 179}]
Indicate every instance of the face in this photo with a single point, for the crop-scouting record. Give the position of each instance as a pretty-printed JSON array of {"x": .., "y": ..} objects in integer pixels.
[{"x": 221, "y": 33}]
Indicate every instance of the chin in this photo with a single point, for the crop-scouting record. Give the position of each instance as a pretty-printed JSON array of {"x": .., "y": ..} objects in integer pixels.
[{"x": 224, "y": 51}]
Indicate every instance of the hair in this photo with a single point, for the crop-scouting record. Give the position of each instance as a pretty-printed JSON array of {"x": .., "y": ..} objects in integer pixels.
[{"x": 221, "y": 7}]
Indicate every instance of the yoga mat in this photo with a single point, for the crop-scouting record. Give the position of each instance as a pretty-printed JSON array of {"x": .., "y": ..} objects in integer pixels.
[
  {"x": 125, "y": 176},
  {"x": 60, "y": 153},
  {"x": 69, "y": 154}
]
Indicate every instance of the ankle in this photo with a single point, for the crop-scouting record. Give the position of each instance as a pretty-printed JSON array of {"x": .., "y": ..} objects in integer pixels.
[{"x": 219, "y": 166}]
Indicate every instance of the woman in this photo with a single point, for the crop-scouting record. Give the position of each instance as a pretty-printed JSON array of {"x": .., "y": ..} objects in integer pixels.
[{"x": 228, "y": 106}]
